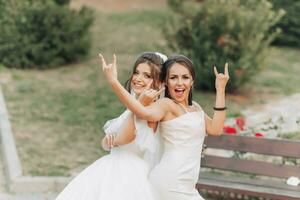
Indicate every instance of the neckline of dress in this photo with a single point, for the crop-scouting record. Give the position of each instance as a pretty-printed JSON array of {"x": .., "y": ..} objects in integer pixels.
[
  {"x": 185, "y": 114},
  {"x": 186, "y": 108}
]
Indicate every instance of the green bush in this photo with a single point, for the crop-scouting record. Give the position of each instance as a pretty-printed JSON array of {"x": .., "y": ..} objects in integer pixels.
[
  {"x": 220, "y": 31},
  {"x": 290, "y": 23},
  {"x": 42, "y": 33},
  {"x": 58, "y": 2},
  {"x": 62, "y": 2}
]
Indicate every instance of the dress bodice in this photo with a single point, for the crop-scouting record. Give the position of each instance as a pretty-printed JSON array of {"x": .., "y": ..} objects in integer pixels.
[
  {"x": 184, "y": 132},
  {"x": 177, "y": 172}
]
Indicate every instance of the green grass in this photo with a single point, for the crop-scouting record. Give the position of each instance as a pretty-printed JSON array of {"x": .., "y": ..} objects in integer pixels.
[
  {"x": 57, "y": 114},
  {"x": 290, "y": 136},
  {"x": 129, "y": 33},
  {"x": 281, "y": 74}
]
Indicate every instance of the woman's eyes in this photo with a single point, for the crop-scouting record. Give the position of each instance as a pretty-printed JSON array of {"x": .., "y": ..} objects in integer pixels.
[
  {"x": 185, "y": 77},
  {"x": 145, "y": 75}
]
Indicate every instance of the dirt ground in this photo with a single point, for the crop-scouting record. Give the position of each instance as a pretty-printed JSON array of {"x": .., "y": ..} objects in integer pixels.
[{"x": 119, "y": 5}]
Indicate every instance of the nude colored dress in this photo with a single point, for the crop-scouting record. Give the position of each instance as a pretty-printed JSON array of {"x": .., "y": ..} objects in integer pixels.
[{"x": 177, "y": 173}]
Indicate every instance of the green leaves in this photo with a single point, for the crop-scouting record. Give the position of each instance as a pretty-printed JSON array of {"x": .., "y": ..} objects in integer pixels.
[
  {"x": 236, "y": 31},
  {"x": 42, "y": 33},
  {"x": 289, "y": 24}
]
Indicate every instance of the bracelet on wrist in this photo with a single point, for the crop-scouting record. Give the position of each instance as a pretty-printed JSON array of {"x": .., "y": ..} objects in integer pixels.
[{"x": 220, "y": 108}]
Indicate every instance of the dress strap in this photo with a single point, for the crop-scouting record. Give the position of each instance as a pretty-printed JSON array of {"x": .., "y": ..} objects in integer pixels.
[
  {"x": 198, "y": 107},
  {"x": 195, "y": 104},
  {"x": 183, "y": 108}
]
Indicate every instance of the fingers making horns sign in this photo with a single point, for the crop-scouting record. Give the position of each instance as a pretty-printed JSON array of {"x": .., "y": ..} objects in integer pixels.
[
  {"x": 221, "y": 78},
  {"x": 110, "y": 70},
  {"x": 149, "y": 94}
]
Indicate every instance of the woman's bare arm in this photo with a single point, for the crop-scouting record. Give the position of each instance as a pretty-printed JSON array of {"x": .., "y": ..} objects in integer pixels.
[
  {"x": 215, "y": 125},
  {"x": 125, "y": 135}
]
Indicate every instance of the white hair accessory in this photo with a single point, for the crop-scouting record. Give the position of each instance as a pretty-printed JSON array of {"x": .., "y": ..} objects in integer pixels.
[{"x": 162, "y": 56}]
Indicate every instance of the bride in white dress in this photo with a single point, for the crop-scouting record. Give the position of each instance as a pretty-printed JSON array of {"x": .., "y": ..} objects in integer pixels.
[
  {"x": 124, "y": 173},
  {"x": 182, "y": 123}
]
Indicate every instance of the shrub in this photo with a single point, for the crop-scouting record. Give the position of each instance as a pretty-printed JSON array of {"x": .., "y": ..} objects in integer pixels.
[
  {"x": 42, "y": 34},
  {"x": 62, "y": 2},
  {"x": 290, "y": 23},
  {"x": 222, "y": 31},
  {"x": 58, "y": 2}
]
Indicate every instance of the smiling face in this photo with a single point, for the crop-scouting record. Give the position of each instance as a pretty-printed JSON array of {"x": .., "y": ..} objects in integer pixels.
[
  {"x": 141, "y": 78},
  {"x": 179, "y": 82},
  {"x": 147, "y": 67}
]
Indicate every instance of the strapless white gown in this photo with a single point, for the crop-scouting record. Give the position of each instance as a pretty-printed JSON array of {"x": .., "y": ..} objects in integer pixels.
[
  {"x": 177, "y": 173},
  {"x": 121, "y": 175}
]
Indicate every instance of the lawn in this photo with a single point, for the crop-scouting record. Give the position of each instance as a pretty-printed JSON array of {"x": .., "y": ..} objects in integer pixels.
[{"x": 57, "y": 115}]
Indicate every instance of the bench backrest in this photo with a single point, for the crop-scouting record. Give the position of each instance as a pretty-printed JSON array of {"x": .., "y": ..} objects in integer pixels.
[{"x": 274, "y": 147}]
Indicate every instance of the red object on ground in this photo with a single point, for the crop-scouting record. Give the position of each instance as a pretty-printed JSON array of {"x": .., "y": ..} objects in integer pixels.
[
  {"x": 259, "y": 134},
  {"x": 240, "y": 122},
  {"x": 229, "y": 130}
]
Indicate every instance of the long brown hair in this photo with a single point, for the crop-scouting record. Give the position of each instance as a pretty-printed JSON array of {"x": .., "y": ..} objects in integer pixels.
[{"x": 154, "y": 61}]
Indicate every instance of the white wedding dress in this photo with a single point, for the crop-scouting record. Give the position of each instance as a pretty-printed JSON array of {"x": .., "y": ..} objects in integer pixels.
[
  {"x": 122, "y": 174},
  {"x": 177, "y": 173}
]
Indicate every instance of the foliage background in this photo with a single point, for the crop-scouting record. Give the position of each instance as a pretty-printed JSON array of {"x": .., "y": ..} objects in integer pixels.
[
  {"x": 219, "y": 31},
  {"x": 43, "y": 33}
]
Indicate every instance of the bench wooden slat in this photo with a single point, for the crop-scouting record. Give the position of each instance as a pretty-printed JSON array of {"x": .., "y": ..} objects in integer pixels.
[
  {"x": 250, "y": 166},
  {"x": 255, "y": 145},
  {"x": 260, "y": 190},
  {"x": 276, "y": 184}
]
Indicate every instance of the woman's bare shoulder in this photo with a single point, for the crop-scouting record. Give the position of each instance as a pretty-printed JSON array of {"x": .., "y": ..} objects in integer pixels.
[
  {"x": 197, "y": 106},
  {"x": 165, "y": 102}
]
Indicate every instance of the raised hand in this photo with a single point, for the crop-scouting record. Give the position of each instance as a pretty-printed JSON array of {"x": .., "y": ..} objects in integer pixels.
[
  {"x": 110, "y": 70},
  {"x": 221, "y": 79},
  {"x": 149, "y": 94}
]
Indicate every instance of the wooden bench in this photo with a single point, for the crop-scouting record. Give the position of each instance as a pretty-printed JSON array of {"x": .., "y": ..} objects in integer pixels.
[{"x": 274, "y": 187}]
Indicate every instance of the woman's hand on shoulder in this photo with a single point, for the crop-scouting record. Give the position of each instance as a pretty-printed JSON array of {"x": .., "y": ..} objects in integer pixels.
[
  {"x": 157, "y": 110},
  {"x": 165, "y": 102},
  {"x": 149, "y": 95}
]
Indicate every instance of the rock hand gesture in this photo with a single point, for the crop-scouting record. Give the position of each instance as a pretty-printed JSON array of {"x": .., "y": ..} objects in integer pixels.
[
  {"x": 110, "y": 70},
  {"x": 221, "y": 79}
]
